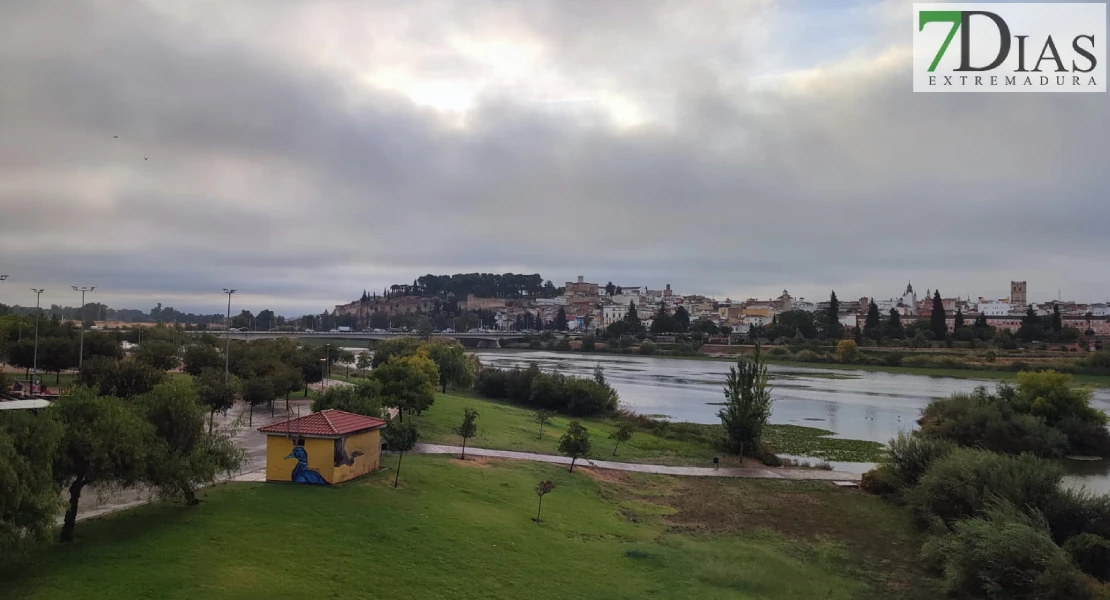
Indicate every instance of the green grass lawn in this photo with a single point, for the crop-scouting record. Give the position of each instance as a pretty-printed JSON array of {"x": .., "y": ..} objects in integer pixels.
[
  {"x": 465, "y": 530},
  {"x": 507, "y": 427}
]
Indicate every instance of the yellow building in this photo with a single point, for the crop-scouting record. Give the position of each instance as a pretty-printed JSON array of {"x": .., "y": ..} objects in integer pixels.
[{"x": 331, "y": 446}]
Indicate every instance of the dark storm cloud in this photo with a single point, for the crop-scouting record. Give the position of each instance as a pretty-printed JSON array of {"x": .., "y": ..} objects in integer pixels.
[{"x": 273, "y": 171}]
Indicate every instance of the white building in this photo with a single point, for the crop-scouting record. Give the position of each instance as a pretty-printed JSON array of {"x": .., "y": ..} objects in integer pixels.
[
  {"x": 994, "y": 308},
  {"x": 1100, "y": 310},
  {"x": 611, "y": 313}
]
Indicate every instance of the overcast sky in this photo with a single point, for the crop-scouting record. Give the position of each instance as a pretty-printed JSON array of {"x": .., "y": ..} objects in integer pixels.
[{"x": 303, "y": 151}]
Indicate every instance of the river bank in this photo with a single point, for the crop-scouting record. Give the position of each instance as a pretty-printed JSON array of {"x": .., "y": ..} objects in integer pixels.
[{"x": 728, "y": 354}]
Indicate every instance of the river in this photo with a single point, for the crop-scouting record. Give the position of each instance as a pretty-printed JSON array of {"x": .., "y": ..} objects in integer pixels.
[{"x": 862, "y": 405}]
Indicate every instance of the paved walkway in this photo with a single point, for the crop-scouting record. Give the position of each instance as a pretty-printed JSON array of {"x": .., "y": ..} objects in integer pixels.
[{"x": 750, "y": 473}]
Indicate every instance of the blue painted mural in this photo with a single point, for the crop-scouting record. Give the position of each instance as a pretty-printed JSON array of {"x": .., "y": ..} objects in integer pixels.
[{"x": 301, "y": 472}]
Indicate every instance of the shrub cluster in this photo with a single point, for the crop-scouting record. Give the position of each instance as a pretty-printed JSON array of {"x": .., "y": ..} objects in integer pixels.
[
  {"x": 1001, "y": 525},
  {"x": 575, "y": 396}
]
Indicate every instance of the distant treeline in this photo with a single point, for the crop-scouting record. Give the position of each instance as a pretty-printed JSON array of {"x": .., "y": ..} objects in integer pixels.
[
  {"x": 95, "y": 311},
  {"x": 483, "y": 285}
]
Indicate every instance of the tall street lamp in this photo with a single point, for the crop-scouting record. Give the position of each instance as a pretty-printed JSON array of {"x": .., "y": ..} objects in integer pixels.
[
  {"x": 227, "y": 348},
  {"x": 38, "y": 315},
  {"x": 81, "y": 354}
]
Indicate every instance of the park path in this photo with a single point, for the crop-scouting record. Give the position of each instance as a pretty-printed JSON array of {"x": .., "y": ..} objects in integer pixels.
[{"x": 798, "y": 474}]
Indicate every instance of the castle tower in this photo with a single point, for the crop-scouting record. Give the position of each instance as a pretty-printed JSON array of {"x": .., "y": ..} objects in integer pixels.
[{"x": 1017, "y": 294}]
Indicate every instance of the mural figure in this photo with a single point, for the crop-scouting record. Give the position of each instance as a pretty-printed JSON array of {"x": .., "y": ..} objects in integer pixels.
[
  {"x": 301, "y": 472},
  {"x": 341, "y": 457}
]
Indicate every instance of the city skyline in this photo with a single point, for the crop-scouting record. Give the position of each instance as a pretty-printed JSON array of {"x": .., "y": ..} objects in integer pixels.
[{"x": 303, "y": 152}]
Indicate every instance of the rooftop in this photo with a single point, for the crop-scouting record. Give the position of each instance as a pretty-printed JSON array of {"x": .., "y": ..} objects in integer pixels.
[{"x": 326, "y": 423}]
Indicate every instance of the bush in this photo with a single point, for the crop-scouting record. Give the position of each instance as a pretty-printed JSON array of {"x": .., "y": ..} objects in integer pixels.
[
  {"x": 892, "y": 359},
  {"x": 959, "y": 485},
  {"x": 531, "y": 387},
  {"x": 1085, "y": 438},
  {"x": 1073, "y": 512},
  {"x": 779, "y": 351},
  {"x": 982, "y": 420},
  {"x": 911, "y": 455},
  {"x": 847, "y": 351},
  {"x": 562, "y": 345},
  {"x": 806, "y": 356},
  {"x": 647, "y": 347},
  {"x": 989, "y": 356},
  {"x": 881, "y": 481},
  {"x": 1006, "y": 555},
  {"x": 1090, "y": 553},
  {"x": 589, "y": 343}
]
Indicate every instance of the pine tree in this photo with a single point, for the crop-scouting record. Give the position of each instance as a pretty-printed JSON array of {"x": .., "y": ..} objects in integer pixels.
[
  {"x": 1057, "y": 322},
  {"x": 873, "y": 322},
  {"x": 833, "y": 328},
  {"x": 938, "y": 321},
  {"x": 631, "y": 315},
  {"x": 894, "y": 325},
  {"x": 959, "y": 322}
]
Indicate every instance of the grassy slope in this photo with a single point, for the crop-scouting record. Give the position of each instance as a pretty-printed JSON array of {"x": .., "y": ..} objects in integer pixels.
[
  {"x": 508, "y": 427},
  {"x": 465, "y": 531}
]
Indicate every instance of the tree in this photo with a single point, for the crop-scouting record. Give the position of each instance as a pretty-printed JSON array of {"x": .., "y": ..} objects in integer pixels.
[
  {"x": 938, "y": 321},
  {"x": 622, "y": 434},
  {"x": 663, "y": 322},
  {"x": 682, "y": 319},
  {"x": 347, "y": 358},
  {"x": 704, "y": 326},
  {"x": 1031, "y": 327},
  {"x": 610, "y": 289},
  {"x": 408, "y": 382},
  {"x": 364, "y": 360},
  {"x": 575, "y": 442},
  {"x": 215, "y": 392},
  {"x": 560, "y": 322},
  {"x": 184, "y": 457},
  {"x": 958, "y": 323},
  {"x": 105, "y": 441},
  {"x": 28, "y": 498},
  {"x": 451, "y": 360},
  {"x": 872, "y": 324},
  {"x": 543, "y": 417},
  {"x": 56, "y": 354},
  {"x": 1057, "y": 322},
  {"x": 833, "y": 328},
  {"x": 747, "y": 404},
  {"x": 894, "y": 329},
  {"x": 265, "y": 320},
  {"x": 362, "y": 399},
  {"x": 257, "y": 390},
  {"x": 200, "y": 356},
  {"x": 631, "y": 317},
  {"x": 399, "y": 437},
  {"x": 159, "y": 354},
  {"x": 543, "y": 488},
  {"x": 122, "y": 378},
  {"x": 102, "y": 343},
  {"x": 468, "y": 428},
  {"x": 405, "y": 346}
]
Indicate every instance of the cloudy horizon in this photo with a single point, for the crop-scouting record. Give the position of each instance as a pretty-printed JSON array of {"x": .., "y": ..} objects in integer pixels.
[{"x": 303, "y": 152}]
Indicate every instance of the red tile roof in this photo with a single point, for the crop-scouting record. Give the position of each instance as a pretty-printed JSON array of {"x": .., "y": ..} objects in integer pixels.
[{"x": 329, "y": 422}]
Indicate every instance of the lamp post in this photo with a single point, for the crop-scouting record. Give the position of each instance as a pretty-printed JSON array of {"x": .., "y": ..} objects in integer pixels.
[
  {"x": 35, "y": 367},
  {"x": 227, "y": 348},
  {"x": 81, "y": 353}
]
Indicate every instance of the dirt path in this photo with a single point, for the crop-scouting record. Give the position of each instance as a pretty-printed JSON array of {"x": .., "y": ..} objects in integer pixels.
[{"x": 750, "y": 473}]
